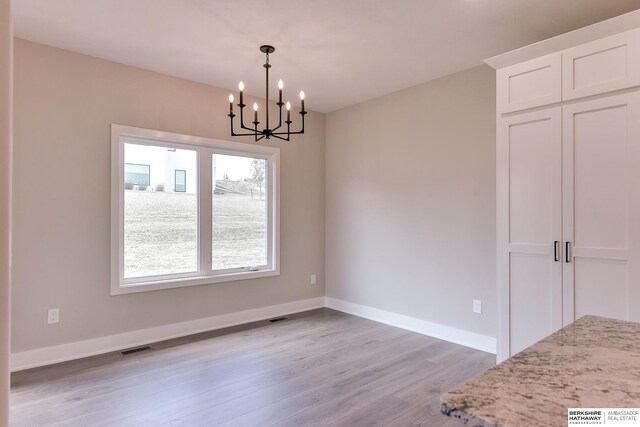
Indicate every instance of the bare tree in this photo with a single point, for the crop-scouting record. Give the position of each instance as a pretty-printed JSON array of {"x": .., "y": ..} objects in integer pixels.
[{"x": 257, "y": 173}]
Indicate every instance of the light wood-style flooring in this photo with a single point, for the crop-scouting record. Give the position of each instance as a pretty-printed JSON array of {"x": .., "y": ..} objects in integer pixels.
[{"x": 317, "y": 368}]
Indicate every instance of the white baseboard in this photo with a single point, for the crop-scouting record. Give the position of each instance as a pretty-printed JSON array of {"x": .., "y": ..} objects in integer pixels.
[
  {"x": 79, "y": 349},
  {"x": 447, "y": 333},
  {"x": 91, "y": 347}
]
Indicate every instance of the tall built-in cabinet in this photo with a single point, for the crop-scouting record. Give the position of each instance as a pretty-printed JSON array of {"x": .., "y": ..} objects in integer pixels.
[{"x": 568, "y": 188}]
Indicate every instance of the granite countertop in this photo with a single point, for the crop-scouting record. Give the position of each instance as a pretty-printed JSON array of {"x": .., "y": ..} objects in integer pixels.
[{"x": 592, "y": 363}]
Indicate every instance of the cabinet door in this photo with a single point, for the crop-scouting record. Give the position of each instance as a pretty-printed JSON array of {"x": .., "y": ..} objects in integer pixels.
[
  {"x": 529, "y": 222},
  {"x": 529, "y": 84},
  {"x": 604, "y": 65},
  {"x": 601, "y": 195}
]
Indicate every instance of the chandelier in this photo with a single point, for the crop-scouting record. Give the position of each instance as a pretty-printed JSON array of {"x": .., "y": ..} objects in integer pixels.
[{"x": 267, "y": 132}]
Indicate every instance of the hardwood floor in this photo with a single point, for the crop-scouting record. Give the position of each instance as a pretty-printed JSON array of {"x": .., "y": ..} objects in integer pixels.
[{"x": 317, "y": 368}]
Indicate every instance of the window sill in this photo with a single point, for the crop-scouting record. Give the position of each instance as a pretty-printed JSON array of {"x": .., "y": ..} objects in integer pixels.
[{"x": 190, "y": 281}]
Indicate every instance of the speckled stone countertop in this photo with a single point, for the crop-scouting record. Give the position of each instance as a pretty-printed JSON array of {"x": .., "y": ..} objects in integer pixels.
[{"x": 592, "y": 363}]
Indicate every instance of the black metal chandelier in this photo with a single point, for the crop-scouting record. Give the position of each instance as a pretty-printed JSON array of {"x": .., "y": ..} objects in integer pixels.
[{"x": 267, "y": 132}]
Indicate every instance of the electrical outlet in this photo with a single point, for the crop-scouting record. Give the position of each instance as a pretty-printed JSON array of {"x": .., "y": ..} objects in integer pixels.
[
  {"x": 313, "y": 280},
  {"x": 477, "y": 306},
  {"x": 53, "y": 315}
]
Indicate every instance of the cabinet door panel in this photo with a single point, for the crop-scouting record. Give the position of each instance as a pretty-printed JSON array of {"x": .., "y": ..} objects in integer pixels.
[
  {"x": 529, "y": 221},
  {"x": 530, "y": 181},
  {"x": 600, "y": 206},
  {"x": 600, "y": 183},
  {"x": 532, "y": 299},
  {"x": 603, "y": 287},
  {"x": 529, "y": 84},
  {"x": 604, "y": 65}
]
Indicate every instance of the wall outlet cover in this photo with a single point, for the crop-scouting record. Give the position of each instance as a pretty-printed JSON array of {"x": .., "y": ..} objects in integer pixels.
[
  {"x": 53, "y": 315},
  {"x": 477, "y": 306}
]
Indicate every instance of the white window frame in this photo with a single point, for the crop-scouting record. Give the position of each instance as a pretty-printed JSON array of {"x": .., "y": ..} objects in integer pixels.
[{"x": 205, "y": 148}]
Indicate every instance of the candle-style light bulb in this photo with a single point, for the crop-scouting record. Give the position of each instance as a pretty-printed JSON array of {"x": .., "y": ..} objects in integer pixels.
[
  {"x": 255, "y": 113},
  {"x": 288, "y": 111},
  {"x": 302, "y": 95},
  {"x": 231, "y": 97},
  {"x": 288, "y": 106},
  {"x": 230, "y": 103},
  {"x": 280, "y": 84},
  {"x": 255, "y": 106},
  {"x": 241, "y": 87},
  {"x": 302, "y": 101}
]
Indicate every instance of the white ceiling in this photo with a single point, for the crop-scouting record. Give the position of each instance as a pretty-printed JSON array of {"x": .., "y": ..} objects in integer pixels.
[{"x": 340, "y": 52}]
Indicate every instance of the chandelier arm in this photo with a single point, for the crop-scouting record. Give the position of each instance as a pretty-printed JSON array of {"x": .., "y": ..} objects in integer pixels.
[
  {"x": 242, "y": 125},
  {"x": 280, "y": 104},
  {"x": 243, "y": 134},
  {"x": 252, "y": 130},
  {"x": 257, "y": 132},
  {"x": 233, "y": 133},
  {"x": 301, "y": 131},
  {"x": 288, "y": 132}
]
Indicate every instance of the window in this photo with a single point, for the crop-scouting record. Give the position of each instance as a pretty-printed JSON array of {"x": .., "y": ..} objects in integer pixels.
[
  {"x": 160, "y": 229},
  {"x": 135, "y": 174},
  {"x": 208, "y": 213},
  {"x": 239, "y": 212},
  {"x": 180, "y": 179}
]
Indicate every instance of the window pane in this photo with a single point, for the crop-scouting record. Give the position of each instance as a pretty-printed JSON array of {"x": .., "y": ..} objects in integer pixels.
[
  {"x": 160, "y": 224},
  {"x": 181, "y": 181},
  {"x": 136, "y": 174},
  {"x": 239, "y": 212}
]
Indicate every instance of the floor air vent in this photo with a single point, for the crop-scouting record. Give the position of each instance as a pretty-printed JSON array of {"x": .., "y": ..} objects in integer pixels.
[
  {"x": 278, "y": 319},
  {"x": 135, "y": 350}
]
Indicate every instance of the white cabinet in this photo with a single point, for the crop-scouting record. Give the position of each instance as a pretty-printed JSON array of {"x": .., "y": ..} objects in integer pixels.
[
  {"x": 529, "y": 84},
  {"x": 568, "y": 189},
  {"x": 601, "y": 206},
  {"x": 530, "y": 225},
  {"x": 601, "y": 66}
]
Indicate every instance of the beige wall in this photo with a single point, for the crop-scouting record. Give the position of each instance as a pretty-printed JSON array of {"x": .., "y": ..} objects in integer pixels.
[
  {"x": 64, "y": 106},
  {"x": 410, "y": 200},
  {"x": 410, "y": 193},
  {"x": 6, "y": 46}
]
